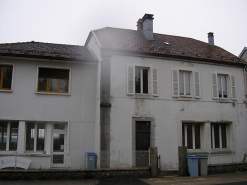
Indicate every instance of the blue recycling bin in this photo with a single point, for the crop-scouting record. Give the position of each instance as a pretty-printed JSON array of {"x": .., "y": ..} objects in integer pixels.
[
  {"x": 91, "y": 158},
  {"x": 193, "y": 165}
]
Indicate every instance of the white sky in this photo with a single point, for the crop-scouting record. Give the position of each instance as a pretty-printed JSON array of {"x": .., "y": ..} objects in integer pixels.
[{"x": 70, "y": 21}]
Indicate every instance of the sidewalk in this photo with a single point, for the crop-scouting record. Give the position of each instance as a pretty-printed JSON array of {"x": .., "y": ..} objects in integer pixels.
[{"x": 226, "y": 178}]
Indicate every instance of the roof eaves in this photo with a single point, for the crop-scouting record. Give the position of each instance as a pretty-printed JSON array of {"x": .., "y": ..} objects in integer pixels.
[{"x": 242, "y": 52}]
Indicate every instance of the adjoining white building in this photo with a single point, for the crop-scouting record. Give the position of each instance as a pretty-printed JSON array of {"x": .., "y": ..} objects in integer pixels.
[
  {"x": 47, "y": 94},
  {"x": 167, "y": 91},
  {"x": 121, "y": 93}
]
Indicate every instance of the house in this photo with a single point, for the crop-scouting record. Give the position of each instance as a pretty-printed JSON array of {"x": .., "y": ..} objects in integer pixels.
[
  {"x": 122, "y": 93},
  {"x": 243, "y": 54},
  {"x": 47, "y": 94},
  {"x": 167, "y": 91}
]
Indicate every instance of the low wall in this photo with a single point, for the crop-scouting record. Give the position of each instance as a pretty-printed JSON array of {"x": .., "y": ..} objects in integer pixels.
[
  {"x": 74, "y": 174},
  {"x": 226, "y": 168}
]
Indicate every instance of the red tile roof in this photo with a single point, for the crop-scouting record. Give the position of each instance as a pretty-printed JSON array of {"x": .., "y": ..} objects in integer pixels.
[
  {"x": 46, "y": 51},
  {"x": 163, "y": 45}
]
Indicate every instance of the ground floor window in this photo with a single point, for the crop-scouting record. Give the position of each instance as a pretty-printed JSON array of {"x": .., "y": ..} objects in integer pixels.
[
  {"x": 191, "y": 136},
  {"x": 35, "y": 136},
  {"x": 8, "y": 136},
  {"x": 219, "y": 135}
]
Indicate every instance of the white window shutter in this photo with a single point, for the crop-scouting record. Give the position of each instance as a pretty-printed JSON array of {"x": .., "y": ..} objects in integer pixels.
[
  {"x": 214, "y": 86},
  {"x": 130, "y": 80},
  {"x": 155, "y": 89},
  {"x": 197, "y": 87},
  {"x": 233, "y": 88},
  {"x": 175, "y": 83}
]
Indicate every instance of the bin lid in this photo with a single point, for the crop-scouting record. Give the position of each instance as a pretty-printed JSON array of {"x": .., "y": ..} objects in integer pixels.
[
  {"x": 91, "y": 153},
  {"x": 192, "y": 156},
  {"x": 203, "y": 156}
]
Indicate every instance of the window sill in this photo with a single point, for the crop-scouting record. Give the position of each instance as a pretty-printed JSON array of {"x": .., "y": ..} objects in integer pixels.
[
  {"x": 221, "y": 151},
  {"x": 8, "y": 91},
  {"x": 224, "y": 101},
  {"x": 142, "y": 96},
  {"x": 48, "y": 93},
  {"x": 195, "y": 151},
  {"x": 182, "y": 98}
]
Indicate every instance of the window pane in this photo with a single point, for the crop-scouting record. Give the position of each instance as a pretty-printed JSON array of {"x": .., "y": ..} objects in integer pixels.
[
  {"x": 13, "y": 136},
  {"x": 216, "y": 136},
  {"x": 224, "y": 86},
  {"x": 59, "y": 126},
  {"x": 219, "y": 86},
  {"x": 187, "y": 82},
  {"x": 189, "y": 137},
  {"x": 64, "y": 85},
  {"x": 145, "y": 81},
  {"x": 54, "y": 73},
  {"x": 3, "y": 136},
  {"x": 42, "y": 84},
  {"x": 181, "y": 83},
  {"x": 223, "y": 133},
  {"x": 30, "y": 137},
  {"x": 40, "y": 136},
  {"x": 58, "y": 142},
  {"x": 53, "y": 85},
  {"x": 7, "y": 76},
  {"x": 197, "y": 137},
  {"x": 138, "y": 79}
]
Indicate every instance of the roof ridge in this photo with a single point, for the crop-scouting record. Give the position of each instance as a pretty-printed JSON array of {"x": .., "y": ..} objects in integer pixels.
[{"x": 30, "y": 42}]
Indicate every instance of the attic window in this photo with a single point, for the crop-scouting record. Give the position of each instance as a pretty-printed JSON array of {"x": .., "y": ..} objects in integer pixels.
[{"x": 167, "y": 43}]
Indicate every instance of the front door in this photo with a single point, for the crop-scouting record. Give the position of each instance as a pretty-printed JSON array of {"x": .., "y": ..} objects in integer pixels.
[
  {"x": 142, "y": 143},
  {"x": 59, "y": 143}
]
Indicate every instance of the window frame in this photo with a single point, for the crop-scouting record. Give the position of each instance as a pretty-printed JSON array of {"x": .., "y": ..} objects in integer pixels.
[
  {"x": 184, "y": 83},
  {"x": 1, "y": 77},
  {"x": 220, "y": 136},
  {"x": 35, "y": 137},
  {"x": 48, "y": 82},
  {"x": 227, "y": 84},
  {"x": 141, "y": 77},
  {"x": 8, "y": 141},
  {"x": 184, "y": 135}
]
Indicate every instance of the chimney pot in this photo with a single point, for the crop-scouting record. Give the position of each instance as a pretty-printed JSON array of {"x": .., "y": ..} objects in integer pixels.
[{"x": 211, "y": 39}]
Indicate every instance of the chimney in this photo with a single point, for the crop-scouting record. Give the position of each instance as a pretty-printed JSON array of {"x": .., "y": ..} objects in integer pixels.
[
  {"x": 211, "y": 39},
  {"x": 145, "y": 25}
]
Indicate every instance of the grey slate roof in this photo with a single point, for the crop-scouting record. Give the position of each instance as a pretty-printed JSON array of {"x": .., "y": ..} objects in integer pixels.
[
  {"x": 117, "y": 39},
  {"x": 46, "y": 51}
]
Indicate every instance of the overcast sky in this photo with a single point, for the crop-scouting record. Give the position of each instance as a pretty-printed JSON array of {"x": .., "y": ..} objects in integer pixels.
[{"x": 70, "y": 21}]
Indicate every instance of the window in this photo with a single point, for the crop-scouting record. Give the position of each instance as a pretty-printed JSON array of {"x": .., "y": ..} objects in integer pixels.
[
  {"x": 142, "y": 80},
  {"x": 35, "y": 137},
  {"x": 223, "y": 86},
  {"x": 191, "y": 135},
  {"x": 185, "y": 83},
  {"x": 53, "y": 80},
  {"x": 8, "y": 136},
  {"x": 6, "y": 77},
  {"x": 219, "y": 135}
]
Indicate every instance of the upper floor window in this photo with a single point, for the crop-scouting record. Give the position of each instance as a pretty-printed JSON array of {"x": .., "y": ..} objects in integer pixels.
[
  {"x": 185, "y": 83},
  {"x": 223, "y": 86},
  {"x": 53, "y": 80},
  {"x": 8, "y": 136},
  {"x": 6, "y": 77},
  {"x": 142, "y": 80}
]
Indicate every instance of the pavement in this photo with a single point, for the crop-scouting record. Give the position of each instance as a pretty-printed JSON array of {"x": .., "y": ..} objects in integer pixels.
[{"x": 237, "y": 178}]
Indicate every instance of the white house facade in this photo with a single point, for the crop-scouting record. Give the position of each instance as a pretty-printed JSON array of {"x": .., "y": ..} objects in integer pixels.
[{"x": 165, "y": 91}]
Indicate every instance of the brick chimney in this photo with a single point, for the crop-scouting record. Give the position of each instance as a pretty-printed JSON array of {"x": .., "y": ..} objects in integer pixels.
[
  {"x": 145, "y": 25},
  {"x": 211, "y": 39}
]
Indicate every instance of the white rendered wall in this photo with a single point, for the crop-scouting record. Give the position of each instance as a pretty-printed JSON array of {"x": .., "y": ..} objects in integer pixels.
[
  {"x": 169, "y": 112},
  {"x": 76, "y": 109}
]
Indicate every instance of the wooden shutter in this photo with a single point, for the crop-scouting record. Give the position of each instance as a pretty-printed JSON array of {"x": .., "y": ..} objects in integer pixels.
[
  {"x": 130, "y": 80},
  {"x": 197, "y": 88},
  {"x": 155, "y": 82},
  {"x": 214, "y": 86},
  {"x": 233, "y": 87},
  {"x": 175, "y": 83}
]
